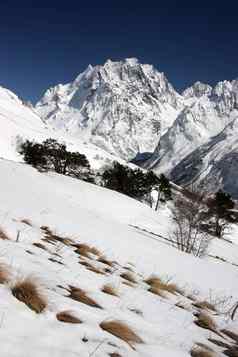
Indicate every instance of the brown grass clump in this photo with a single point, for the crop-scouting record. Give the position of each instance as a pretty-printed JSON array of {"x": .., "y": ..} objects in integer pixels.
[
  {"x": 96, "y": 270},
  {"x": 204, "y": 305},
  {"x": 121, "y": 330},
  {"x": 158, "y": 287},
  {"x": 27, "y": 292},
  {"x": 114, "y": 354},
  {"x": 80, "y": 295},
  {"x": 51, "y": 237},
  {"x": 109, "y": 289},
  {"x": 68, "y": 317},
  {"x": 86, "y": 250},
  {"x": 201, "y": 352},
  {"x": 4, "y": 274},
  {"x": 129, "y": 277},
  {"x": 105, "y": 261},
  {"x": 39, "y": 245},
  {"x": 3, "y": 235},
  {"x": 26, "y": 221},
  {"x": 205, "y": 321}
]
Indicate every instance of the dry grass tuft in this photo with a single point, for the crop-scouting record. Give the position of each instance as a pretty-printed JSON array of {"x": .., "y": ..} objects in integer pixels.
[
  {"x": 114, "y": 354},
  {"x": 86, "y": 250},
  {"x": 205, "y": 321},
  {"x": 204, "y": 305},
  {"x": 231, "y": 334},
  {"x": 3, "y": 235},
  {"x": 28, "y": 292},
  {"x": 53, "y": 238},
  {"x": 201, "y": 352},
  {"x": 39, "y": 245},
  {"x": 158, "y": 287},
  {"x": 4, "y": 274},
  {"x": 68, "y": 317},
  {"x": 26, "y": 221},
  {"x": 129, "y": 277},
  {"x": 80, "y": 295},
  {"x": 110, "y": 289},
  {"x": 105, "y": 261},
  {"x": 121, "y": 330},
  {"x": 91, "y": 267},
  {"x": 96, "y": 270}
]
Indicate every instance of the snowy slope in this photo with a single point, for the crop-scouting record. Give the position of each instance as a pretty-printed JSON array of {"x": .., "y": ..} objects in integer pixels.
[
  {"x": 120, "y": 228},
  {"x": 118, "y": 106},
  {"x": 19, "y": 122},
  {"x": 206, "y": 113},
  {"x": 213, "y": 165}
]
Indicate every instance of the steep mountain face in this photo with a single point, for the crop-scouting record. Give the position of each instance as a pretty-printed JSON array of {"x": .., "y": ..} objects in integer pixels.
[
  {"x": 206, "y": 113},
  {"x": 121, "y": 107},
  {"x": 213, "y": 165}
]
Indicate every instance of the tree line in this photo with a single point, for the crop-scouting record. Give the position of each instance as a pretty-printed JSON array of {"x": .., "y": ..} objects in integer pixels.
[{"x": 195, "y": 217}]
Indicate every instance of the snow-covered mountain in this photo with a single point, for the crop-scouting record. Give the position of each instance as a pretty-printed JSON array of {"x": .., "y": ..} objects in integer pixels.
[
  {"x": 214, "y": 164},
  {"x": 207, "y": 111},
  {"x": 122, "y": 110},
  {"x": 121, "y": 107}
]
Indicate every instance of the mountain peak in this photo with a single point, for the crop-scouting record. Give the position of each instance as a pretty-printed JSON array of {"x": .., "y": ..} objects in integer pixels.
[{"x": 198, "y": 89}]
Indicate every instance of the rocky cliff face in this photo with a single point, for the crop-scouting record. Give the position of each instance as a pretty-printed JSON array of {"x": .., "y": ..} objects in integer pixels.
[
  {"x": 207, "y": 111},
  {"x": 122, "y": 107}
]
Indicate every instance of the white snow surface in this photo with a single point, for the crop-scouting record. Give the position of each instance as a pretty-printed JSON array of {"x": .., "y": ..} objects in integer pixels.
[{"x": 126, "y": 232}]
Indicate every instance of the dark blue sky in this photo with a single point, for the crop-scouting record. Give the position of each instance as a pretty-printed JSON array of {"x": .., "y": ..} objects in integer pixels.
[{"x": 43, "y": 43}]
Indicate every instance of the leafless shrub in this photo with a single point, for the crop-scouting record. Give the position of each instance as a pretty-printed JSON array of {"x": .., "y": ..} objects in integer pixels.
[
  {"x": 110, "y": 289},
  {"x": 80, "y": 295},
  {"x": 188, "y": 233},
  {"x": 121, "y": 330},
  {"x": 29, "y": 293},
  {"x": 68, "y": 317}
]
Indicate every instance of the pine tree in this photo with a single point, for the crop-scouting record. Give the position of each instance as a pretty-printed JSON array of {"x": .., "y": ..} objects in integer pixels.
[{"x": 219, "y": 209}]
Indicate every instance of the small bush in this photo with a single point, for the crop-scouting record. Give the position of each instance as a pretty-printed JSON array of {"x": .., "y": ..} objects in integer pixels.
[
  {"x": 121, "y": 330},
  {"x": 80, "y": 295},
  {"x": 68, "y": 317},
  {"x": 109, "y": 289},
  {"x": 28, "y": 292}
]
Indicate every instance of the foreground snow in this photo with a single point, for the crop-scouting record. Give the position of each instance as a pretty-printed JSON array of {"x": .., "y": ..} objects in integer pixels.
[{"x": 126, "y": 232}]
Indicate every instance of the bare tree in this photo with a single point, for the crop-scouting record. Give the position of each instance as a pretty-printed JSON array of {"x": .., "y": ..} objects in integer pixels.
[{"x": 188, "y": 233}]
